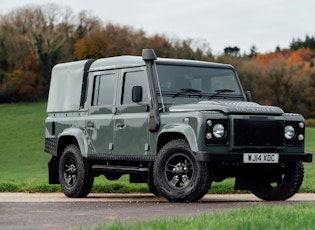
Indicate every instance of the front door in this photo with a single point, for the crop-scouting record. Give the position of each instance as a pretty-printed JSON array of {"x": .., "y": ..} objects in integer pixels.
[{"x": 131, "y": 119}]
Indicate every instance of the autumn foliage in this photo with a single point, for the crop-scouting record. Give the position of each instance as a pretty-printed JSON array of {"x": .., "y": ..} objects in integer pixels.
[
  {"x": 34, "y": 39},
  {"x": 283, "y": 78}
]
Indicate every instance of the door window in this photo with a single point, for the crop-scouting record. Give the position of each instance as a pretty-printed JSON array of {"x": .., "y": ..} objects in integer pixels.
[
  {"x": 104, "y": 89},
  {"x": 131, "y": 79}
]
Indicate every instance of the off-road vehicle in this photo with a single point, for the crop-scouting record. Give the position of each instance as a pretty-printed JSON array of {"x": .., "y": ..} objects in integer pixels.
[{"x": 177, "y": 125}]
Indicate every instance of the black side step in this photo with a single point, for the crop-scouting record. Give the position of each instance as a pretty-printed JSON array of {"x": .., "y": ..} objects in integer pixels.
[{"x": 121, "y": 169}]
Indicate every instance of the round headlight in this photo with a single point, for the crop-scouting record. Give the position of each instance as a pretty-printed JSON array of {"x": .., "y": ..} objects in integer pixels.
[
  {"x": 289, "y": 132},
  {"x": 218, "y": 131}
]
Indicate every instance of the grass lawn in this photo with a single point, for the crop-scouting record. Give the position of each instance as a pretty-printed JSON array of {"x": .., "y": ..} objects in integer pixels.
[
  {"x": 23, "y": 164},
  {"x": 260, "y": 217}
]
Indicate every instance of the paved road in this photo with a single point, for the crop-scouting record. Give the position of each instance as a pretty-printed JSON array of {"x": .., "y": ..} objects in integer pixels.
[{"x": 55, "y": 211}]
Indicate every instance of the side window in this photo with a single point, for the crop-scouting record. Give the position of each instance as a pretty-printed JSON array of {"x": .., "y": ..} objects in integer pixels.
[
  {"x": 104, "y": 89},
  {"x": 131, "y": 79}
]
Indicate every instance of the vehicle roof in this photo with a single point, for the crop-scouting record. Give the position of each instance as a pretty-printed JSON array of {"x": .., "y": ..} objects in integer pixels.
[{"x": 120, "y": 62}]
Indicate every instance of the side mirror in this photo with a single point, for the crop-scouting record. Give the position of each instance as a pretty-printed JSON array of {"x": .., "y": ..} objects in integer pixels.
[
  {"x": 248, "y": 95},
  {"x": 137, "y": 94}
]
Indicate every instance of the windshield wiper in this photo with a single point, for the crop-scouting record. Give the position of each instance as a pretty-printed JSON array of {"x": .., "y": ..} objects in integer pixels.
[
  {"x": 219, "y": 91},
  {"x": 190, "y": 91},
  {"x": 183, "y": 92},
  {"x": 195, "y": 93}
]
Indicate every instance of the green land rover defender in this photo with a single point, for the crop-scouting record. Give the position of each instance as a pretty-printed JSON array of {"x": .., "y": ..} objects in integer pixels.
[{"x": 177, "y": 125}]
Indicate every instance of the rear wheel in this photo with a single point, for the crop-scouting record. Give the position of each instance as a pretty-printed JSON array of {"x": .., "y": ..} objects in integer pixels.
[
  {"x": 177, "y": 174},
  {"x": 75, "y": 173},
  {"x": 282, "y": 186}
]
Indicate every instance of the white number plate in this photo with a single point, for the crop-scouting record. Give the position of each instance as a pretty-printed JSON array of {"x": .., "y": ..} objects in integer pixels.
[{"x": 261, "y": 158}]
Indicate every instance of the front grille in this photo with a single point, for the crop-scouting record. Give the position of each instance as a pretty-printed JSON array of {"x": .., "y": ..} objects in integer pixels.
[{"x": 258, "y": 131}]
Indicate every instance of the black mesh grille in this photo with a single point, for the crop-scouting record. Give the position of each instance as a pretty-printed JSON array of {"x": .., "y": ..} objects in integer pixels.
[{"x": 258, "y": 132}]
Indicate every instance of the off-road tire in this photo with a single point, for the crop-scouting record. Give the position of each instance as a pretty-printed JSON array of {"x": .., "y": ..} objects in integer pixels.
[
  {"x": 178, "y": 176},
  {"x": 75, "y": 173},
  {"x": 288, "y": 183}
]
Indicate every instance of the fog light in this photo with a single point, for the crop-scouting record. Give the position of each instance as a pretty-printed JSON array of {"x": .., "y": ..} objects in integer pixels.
[{"x": 208, "y": 136}]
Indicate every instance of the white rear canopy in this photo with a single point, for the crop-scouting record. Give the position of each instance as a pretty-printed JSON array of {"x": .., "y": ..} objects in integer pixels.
[{"x": 66, "y": 86}]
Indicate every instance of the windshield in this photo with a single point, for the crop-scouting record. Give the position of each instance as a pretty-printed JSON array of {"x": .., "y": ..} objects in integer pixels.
[{"x": 178, "y": 82}]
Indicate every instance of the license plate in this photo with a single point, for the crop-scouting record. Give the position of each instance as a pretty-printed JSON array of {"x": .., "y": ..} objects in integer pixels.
[{"x": 261, "y": 158}]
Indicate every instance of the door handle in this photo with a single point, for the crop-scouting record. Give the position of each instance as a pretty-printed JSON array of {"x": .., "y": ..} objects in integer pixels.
[
  {"x": 90, "y": 124},
  {"x": 120, "y": 125}
]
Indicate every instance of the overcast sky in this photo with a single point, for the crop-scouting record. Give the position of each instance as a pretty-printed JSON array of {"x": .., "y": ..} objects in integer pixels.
[{"x": 242, "y": 23}]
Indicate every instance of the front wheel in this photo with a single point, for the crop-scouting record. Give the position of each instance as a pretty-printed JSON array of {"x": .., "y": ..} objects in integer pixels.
[
  {"x": 178, "y": 176},
  {"x": 283, "y": 185},
  {"x": 75, "y": 173}
]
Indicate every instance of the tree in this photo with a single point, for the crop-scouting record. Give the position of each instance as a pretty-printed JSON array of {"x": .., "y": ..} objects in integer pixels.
[
  {"x": 232, "y": 51},
  {"x": 309, "y": 42},
  {"x": 86, "y": 24},
  {"x": 253, "y": 52},
  {"x": 35, "y": 33},
  {"x": 93, "y": 46},
  {"x": 251, "y": 75}
]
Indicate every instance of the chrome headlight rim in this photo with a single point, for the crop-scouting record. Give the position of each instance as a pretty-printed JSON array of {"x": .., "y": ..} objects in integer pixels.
[
  {"x": 289, "y": 132},
  {"x": 218, "y": 131}
]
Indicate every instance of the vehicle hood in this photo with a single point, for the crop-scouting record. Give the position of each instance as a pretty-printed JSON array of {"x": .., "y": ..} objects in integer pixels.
[{"x": 239, "y": 107}]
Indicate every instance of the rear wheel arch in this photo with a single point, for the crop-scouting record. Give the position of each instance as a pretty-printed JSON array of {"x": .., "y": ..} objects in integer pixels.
[
  {"x": 72, "y": 136},
  {"x": 64, "y": 141}
]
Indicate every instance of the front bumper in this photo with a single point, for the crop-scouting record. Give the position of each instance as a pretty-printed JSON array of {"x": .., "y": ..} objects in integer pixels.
[{"x": 238, "y": 157}]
